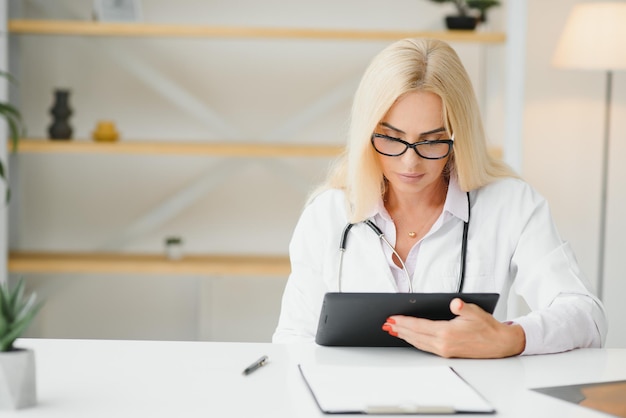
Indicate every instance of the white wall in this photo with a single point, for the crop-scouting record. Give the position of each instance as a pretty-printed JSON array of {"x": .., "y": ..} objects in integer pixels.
[{"x": 563, "y": 134}]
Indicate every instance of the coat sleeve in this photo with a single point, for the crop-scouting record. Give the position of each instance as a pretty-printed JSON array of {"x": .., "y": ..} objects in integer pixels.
[
  {"x": 564, "y": 312},
  {"x": 309, "y": 253}
]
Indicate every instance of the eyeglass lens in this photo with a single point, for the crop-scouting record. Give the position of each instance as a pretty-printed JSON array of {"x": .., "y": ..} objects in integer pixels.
[{"x": 427, "y": 149}]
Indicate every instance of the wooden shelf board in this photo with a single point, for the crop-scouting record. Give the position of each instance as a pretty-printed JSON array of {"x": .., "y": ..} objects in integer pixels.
[
  {"x": 114, "y": 263},
  {"x": 223, "y": 149},
  {"x": 228, "y": 149},
  {"x": 87, "y": 28}
]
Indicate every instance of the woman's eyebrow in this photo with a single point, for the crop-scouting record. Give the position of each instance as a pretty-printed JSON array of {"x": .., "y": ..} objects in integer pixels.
[
  {"x": 393, "y": 128},
  {"x": 434, "y": 131}
]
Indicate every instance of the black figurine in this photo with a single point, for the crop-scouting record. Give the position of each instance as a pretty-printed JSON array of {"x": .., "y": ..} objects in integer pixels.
[{"x": 61, "y": 112}]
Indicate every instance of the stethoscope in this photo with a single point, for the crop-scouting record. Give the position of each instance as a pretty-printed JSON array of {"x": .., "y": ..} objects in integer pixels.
[{"x": 381, "y": 236}]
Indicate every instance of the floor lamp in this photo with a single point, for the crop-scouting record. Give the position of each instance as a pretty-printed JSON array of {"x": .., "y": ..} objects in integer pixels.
[{"x": 594, "y": 38}]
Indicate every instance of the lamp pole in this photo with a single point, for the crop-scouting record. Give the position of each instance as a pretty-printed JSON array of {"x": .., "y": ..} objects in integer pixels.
[{"x": 604, "y": 182}]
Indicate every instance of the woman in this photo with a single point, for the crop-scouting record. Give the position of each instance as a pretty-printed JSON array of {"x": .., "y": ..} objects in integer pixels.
[{"x": 417, "y": 165}]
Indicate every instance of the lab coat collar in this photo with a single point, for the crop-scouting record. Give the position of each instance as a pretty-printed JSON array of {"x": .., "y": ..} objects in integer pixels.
[
  {"x": 456, "y": 201},
  {"x": 455, "y": 204}
]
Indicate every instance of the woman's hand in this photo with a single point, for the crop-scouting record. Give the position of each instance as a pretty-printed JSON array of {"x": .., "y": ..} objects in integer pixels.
[{"x": 472, "y": 334}]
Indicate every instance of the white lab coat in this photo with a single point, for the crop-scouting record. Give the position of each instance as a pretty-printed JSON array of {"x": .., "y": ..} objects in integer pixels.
[{"x": 512, "y": 240}]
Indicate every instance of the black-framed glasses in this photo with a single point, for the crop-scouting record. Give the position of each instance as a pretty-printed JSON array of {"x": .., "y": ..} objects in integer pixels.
[{"x": 429, "y": 150}]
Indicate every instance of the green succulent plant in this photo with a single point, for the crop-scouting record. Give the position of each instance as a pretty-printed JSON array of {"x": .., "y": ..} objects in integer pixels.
[
  {"x": 16, "y": 313},
  {"x": 15, "y": 124},
  {"x": 463, "y": 7}
]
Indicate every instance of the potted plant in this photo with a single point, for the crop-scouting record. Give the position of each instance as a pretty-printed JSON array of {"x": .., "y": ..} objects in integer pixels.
[
  {"x": 14, "y": 123},
  {"x": 469, "y": 13},
  {"x": 174, "y": 247},
  {"x": 17, "y": 365},
  {"x": 482, "y": 6}
]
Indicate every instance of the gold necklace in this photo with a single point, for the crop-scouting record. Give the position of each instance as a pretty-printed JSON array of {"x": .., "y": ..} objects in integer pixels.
[{"x": 413, "y": 234}]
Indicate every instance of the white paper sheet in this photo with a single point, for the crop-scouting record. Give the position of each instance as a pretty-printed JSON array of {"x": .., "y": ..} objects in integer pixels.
[{"x": 387, "y": 390}]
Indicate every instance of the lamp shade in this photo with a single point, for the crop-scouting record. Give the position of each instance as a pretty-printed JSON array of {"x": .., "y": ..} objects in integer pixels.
[{"x": 594, "y": 38}]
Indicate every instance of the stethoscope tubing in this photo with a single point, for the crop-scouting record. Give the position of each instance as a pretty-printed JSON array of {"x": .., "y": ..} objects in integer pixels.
[
  {"x": 464, "y": 245},
  {"x": 344, "y": 241}
]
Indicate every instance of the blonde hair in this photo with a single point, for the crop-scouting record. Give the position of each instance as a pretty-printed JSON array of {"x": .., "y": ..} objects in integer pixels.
[{"x": 412, "y": 65}]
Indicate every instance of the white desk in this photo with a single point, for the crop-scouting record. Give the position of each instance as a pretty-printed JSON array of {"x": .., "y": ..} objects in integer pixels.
[{"x": 101, "y": 378}]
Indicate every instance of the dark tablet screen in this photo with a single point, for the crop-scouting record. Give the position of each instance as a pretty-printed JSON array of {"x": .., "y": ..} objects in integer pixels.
[{"x": 355, "y": 319}]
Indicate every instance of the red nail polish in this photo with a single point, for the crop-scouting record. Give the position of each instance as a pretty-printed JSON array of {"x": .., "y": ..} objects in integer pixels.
[
  {"x": 391, "y": 320},
  {"x": 386, "y": 327},
  {"x": 393, "y": 333}
]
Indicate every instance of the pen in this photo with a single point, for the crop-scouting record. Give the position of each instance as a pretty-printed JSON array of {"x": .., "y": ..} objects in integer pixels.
[{"x": 257, "y": 364}]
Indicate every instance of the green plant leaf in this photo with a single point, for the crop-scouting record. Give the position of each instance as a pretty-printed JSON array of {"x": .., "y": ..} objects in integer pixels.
[
  {"x": 9, "y": 76},
  {"x": 482, "y": 5},
  {"x": 18, "y": 328},
  {"x": 16, "y": 295},
  {"x": 7, "y": 109},
  {"x": 14, "y": 122},
  {"x": 4, "y": 179},
  {"x": 5, "y": 322},
  {"x": 6, "y": 346},
  {"x": 25, "y": 307},
  {"x": 4, "y": 325},
  {"x": 460, "y": 5},
  {"x": 16, "y": 313},
  {"x": 4, "y": 301},
  {"x": 11, "y": 300},
  {"x": 16, "y": 126}
]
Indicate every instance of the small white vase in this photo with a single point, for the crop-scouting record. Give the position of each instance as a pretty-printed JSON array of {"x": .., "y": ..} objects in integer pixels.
[{"x": 17, "y": 379}]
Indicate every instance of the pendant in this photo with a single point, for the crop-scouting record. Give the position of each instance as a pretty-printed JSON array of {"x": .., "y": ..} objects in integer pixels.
[{"x": 412, "y": 234}]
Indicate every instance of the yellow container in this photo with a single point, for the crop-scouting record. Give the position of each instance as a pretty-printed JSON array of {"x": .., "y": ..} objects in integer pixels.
[{"x": 105, "y": 132}]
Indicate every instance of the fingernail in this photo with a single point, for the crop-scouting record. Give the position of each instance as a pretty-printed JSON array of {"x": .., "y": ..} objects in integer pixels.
[
  {"x": 386, "y": 327},
  {"x": 393, "y": 333},
  {"x": 391, "y": 320}
]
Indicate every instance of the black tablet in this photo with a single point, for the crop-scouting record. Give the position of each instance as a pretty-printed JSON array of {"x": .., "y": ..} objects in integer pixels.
[{"x": 356, "y": 319}]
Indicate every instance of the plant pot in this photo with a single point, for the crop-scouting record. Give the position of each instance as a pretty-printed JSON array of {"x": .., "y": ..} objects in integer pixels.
[
  {"x": 461, "y": 22},
  {"x": 17, "y": 379}
]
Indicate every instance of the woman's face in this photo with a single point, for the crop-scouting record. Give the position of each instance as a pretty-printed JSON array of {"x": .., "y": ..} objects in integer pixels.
[{"x": 414, "y": 117}]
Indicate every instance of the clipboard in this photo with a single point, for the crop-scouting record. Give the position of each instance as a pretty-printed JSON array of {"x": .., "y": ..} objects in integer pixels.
[{"x": 392, "y": 390}]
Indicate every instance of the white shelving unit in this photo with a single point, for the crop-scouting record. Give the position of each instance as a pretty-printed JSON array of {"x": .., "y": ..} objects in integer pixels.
[{"x": 227, "y": 265}]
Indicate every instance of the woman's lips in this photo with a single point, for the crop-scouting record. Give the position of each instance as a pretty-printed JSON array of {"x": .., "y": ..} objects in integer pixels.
[{"x": 410, "y": 177}]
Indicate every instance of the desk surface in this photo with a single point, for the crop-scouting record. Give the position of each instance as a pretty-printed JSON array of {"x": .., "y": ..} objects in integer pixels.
[{"x": 102, "y": 378}]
